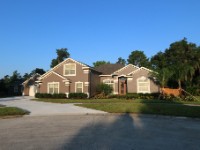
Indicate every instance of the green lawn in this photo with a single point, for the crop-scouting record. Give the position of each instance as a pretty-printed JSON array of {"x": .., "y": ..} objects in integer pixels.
[
  {"x": 160, "y": 107},
  {"x": 112, "y": 101},
  {"x": 147, "y": 108},
  {"x": 12, "y": 111}
]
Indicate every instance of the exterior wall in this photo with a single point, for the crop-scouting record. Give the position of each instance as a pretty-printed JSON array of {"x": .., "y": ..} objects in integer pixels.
[
  {"x": 80, "y": 76},
  {"x": 132, "y": 84},
  {"x": 94, "y": 81},
  {"x": 128, "y": 69},
  {"x": 53, "y": 78}
]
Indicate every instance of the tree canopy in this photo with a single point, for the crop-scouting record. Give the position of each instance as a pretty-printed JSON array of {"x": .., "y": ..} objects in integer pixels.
[
  {"x": 182, "y": 60},
  {"x": 61, "y": 55},
  {"x": 138, "y": 58},
  {"x": 121, "y": 61},
  {"x": 99, "y": 63}
]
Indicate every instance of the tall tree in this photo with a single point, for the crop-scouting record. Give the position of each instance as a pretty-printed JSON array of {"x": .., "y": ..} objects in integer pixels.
[
  {"x": 99, "y": 63},
  {"x": 61, "y": 55},
  {"x": 121, "y": 61},
  {"x": 181, "y": 59},
  {"x": 138, "y": 58}
]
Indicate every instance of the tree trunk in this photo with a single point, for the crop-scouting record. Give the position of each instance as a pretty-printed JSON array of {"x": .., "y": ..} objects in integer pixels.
[{"x": 179, "y": 83}]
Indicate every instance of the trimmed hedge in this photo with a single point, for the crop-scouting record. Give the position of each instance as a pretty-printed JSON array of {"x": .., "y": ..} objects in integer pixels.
[
  {"x": 53, "y": 96},
  {"x": 77, "y": 96}
]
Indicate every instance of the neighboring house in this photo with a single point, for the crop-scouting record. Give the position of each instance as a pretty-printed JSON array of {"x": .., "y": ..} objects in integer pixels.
[
  {"x": 71, "y": 76},
  {"x": 30, "y": 86}
]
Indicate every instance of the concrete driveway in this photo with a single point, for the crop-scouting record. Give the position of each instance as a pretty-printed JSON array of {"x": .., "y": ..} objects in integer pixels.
[{"x": 43, "y": 108}]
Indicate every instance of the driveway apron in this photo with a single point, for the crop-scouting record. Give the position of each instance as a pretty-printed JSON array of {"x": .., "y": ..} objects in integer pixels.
[{"x": 44, "y": 108}]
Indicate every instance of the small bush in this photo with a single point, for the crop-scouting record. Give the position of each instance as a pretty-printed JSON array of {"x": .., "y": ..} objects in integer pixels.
[
  {"x": 104, "y": 89},
  {"x": 47, "y": 95},
  {"x": 77, "y": 96},
  {"x": 100, "y": 96}
]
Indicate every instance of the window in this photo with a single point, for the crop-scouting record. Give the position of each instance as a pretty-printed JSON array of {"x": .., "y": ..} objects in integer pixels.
[
  {"x": 53, "y": 87},
  {"x": 79, "y": 87},
  {"x": 143, "y": 85},
  {"x": 109, "y": 82},
  {"x": 70, "y": 69}
]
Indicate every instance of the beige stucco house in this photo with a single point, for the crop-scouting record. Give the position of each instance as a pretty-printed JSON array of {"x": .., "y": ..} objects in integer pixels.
[{"x": 71, "y": 76}]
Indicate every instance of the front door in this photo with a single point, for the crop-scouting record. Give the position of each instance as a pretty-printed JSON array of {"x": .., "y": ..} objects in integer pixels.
[{"x": 122, "y": 86}]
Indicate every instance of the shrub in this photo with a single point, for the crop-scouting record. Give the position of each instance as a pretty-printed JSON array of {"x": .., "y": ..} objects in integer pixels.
[
  {"x": 100, "y": 96},
  {"x": 104, "y": 89},
  {"x": 193, "y": 90},
  {"x": 77, "y": 96},
  {"x": 47, "y": 95},
  {"x": 60, "y": 95}
]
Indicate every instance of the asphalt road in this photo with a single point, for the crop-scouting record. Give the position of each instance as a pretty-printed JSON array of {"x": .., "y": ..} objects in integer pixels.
[
  {"x": 44, "y": 108},
  {"x": 100, "y": 132}
]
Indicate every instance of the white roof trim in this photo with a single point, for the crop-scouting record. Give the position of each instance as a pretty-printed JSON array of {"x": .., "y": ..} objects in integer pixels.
[
  {"x": 133, "y": 72},
  {"x": 105, "y": 75},
  {"x": 60, "y": 65},
  {"x": 53, "y": 73},
  {"x": 31, "y": 77},
  {"x": 125, "y": 68}
]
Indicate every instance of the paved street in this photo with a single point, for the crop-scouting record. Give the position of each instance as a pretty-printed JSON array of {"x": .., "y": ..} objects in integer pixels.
[
  {"x": 100, "y": 132},
  {"x": 44, "y": 108}
]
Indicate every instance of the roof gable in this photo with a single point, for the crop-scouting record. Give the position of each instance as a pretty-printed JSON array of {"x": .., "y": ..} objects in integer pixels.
[
  {"x": 52, "y": 72},
  {"x": 125, "y": 67},
  {"x": 68, "y": 59},
  {"x": 141, "y": 68}
]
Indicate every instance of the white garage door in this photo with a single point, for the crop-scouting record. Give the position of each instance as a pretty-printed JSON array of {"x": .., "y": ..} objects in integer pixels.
[{"x": 32, "y": 90}]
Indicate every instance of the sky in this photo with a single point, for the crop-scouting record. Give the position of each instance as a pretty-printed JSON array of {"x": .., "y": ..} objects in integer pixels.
[{"x": 92, "y": 30}]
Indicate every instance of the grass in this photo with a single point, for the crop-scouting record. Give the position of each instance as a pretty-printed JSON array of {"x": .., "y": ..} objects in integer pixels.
[
  {"x": 159, "y": 107},
  {"x": 147, "y": 108},
  {"x": 12, "y": 111},
  {"x": 113, "y": 101}
]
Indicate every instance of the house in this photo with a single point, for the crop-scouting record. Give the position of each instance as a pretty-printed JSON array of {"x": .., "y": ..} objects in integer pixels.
[
  {"x": 30, "y": 86},
  {"x": 71, "y": 76},
  {"x": 128, "y": 79}
]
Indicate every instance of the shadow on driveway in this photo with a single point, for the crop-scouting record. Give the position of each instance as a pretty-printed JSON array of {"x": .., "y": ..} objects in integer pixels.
[{"x": 130, "y": 132}]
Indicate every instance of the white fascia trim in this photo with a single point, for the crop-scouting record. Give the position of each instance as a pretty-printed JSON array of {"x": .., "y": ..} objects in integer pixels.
[
  {"x": 133, "y": 72},
  {"x": 105, "y": 75},
  {"x": 52, "y": 72},
  {"x": 60, "y": 65},
  {"x": 125, "y": 68}
]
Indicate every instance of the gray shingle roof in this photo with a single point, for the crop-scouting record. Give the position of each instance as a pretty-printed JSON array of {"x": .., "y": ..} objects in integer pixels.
[{"x": 108, "y": 69}]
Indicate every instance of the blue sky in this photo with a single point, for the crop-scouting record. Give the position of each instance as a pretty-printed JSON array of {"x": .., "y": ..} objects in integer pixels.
[{"x": 32, "y": 30}]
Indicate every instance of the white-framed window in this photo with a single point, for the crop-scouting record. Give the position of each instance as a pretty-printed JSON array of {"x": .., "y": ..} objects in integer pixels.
[
  {"x": 109, "y": 82},
  {"x": 143, "y": 85},
  {"x": 70, "y": 69},
  {"x": 53, "y": 87},
  {"x": 79, "y": 87}
]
